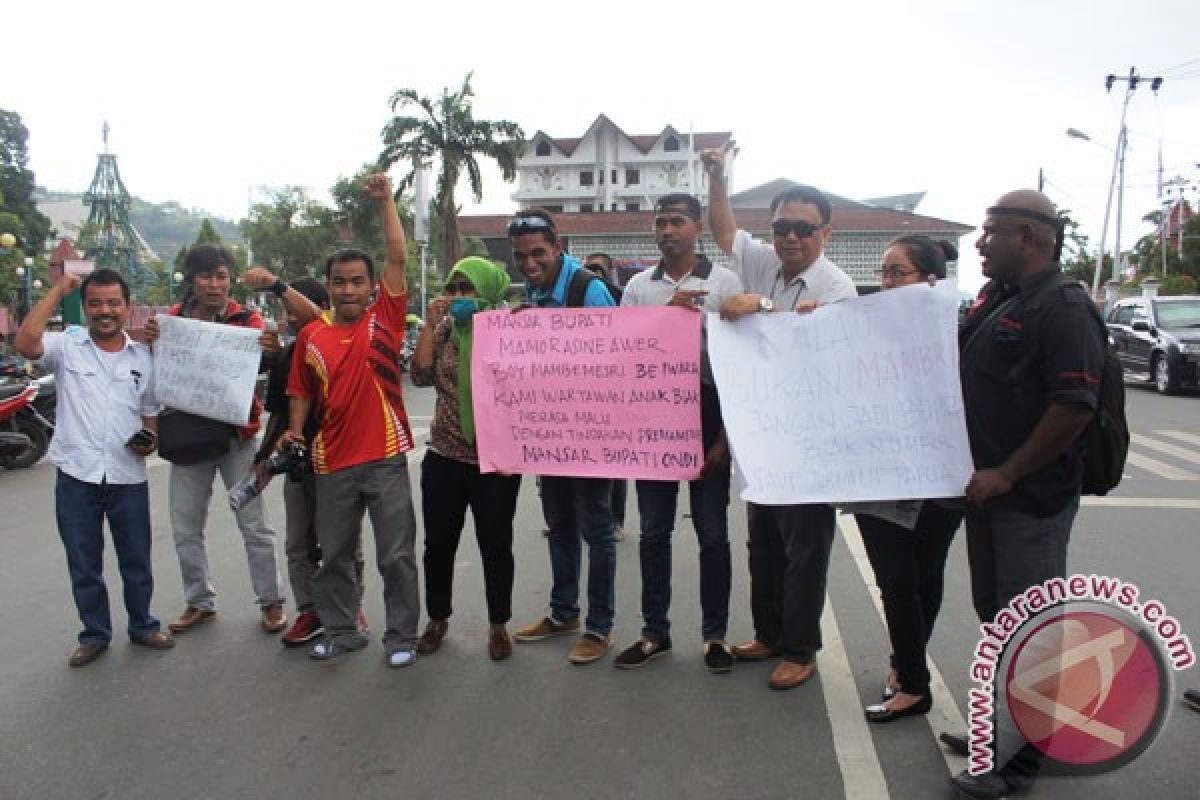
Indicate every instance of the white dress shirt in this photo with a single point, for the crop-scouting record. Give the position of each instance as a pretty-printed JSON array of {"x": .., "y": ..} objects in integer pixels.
[
  {"x": 761, "y": 272},
  {"x": 102, "y": 398}
]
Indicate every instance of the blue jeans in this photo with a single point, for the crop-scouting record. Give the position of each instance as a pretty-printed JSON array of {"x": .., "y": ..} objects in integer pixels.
[
  {"x": 709, "y": 498},
  {"x": 81, "y": 509},
  {"x": 579, "y": 509}
]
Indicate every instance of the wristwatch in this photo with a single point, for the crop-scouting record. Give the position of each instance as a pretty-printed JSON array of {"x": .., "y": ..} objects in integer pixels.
[
  {"x": 279, "y": 288},
  {"x": 766, "y": 304}
]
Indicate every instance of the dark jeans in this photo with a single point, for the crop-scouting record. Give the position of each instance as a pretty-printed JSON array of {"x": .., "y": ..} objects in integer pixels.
[
  {"x": 579, "y": 510},
  {"x": 620, "y": 499},
  {"x": 789, "y": 562},
  {"x": 1010, "y": 551},
  {"x": 448, "y": 488},
  {"x": 81, "y": 509},
  {"x": 709, "y": 499},
  {"x": 909, "y": 568}
]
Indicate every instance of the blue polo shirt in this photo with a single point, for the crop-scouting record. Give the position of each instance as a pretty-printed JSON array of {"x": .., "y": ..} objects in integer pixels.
[{"x": 597, "y": 294}]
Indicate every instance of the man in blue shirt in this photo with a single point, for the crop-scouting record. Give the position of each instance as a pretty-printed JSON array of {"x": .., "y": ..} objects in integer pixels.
[{"x": 576, "y": 508}]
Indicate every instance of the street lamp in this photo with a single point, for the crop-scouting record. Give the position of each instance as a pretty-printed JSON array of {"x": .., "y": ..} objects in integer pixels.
[
  {"x": 25, "y": 275},
  {"x": 174, "y": 279},
  {"x": 1118, "y": 159}
]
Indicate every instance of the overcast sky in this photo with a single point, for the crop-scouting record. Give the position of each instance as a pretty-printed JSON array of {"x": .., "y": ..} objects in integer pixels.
[{"x": 963, "y": 99}]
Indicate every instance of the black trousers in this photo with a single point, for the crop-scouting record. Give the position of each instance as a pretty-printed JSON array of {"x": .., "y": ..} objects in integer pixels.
[
  {"x": 789, "y": 562},
  {"x": 448, "y": 489},
  {"x": 909, "y": 567}
]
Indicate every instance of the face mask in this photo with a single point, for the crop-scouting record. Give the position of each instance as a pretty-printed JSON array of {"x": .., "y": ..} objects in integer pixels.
[{"x": 462, "y": 309}]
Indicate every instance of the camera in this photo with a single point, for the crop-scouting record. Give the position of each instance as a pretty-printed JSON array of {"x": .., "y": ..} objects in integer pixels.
[{"x": 292, "y": 458}]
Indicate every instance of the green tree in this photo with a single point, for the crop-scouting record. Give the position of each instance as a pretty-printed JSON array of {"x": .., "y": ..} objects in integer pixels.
[
  {"x": 21, "y": 217},
  {"x": 447, "y": 131},
  {"x": 207, "y": 234},
  {"x": 291, "y": 233}
]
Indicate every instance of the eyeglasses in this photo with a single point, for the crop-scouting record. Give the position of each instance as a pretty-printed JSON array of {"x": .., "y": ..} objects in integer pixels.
[
  {"x": 521, "y": 224},
  {"x": 459, "y": 287},
  {"x": 802, "y": 228},
  {"x": 896, "y": 273}
]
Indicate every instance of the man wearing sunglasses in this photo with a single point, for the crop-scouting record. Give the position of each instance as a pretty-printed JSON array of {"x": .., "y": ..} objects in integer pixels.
[
  {"x": 789, "y": 545},
  {"x": 576, "y": 508}
]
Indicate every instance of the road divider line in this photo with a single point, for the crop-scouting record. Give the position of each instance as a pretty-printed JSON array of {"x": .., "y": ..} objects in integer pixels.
[
  {"x": 1187, "y": 503},
  {"x": 1160, "y": 469},
  {"x": 1190, "y": 438},
  {"x": 1169, "y": 449},
  {"x": 944, "y": 717},
  {"x": 862, "y": 774}
]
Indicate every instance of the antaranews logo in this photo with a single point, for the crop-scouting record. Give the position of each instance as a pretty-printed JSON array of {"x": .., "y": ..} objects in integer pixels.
[{"x": 1078, "y": 669}]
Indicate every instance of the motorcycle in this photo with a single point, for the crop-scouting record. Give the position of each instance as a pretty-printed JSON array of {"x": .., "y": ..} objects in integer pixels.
[{"x": 24, "y": 431}]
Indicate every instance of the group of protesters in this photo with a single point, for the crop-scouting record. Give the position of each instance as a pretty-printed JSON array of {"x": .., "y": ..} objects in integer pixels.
[{"x": 334, "y": 396}]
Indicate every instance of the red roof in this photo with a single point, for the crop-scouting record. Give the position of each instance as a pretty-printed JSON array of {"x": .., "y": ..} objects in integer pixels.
[{"x": 596, "y": 223}]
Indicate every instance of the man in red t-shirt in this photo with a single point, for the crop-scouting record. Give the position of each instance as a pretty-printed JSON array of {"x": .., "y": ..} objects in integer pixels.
[{"x": 346, "y": 372}]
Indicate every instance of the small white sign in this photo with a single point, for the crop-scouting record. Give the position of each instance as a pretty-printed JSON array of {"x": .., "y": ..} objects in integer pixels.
[{"x": 206, "y": 368}]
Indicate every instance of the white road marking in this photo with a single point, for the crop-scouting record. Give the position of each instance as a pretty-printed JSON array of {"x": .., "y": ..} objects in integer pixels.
[
  {"x": 944, "y": 717},
  {"x": 1169, "y": 449},
  {"x": 1160, "y": 469},
  {"x": 1190, "y": 438},
  {"x": 1187, "y": 503},
  {"x": 862, "y": 774}
]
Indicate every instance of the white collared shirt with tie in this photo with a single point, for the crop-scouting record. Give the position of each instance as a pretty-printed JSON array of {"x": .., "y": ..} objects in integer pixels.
[{"x": 102, "y": 398}]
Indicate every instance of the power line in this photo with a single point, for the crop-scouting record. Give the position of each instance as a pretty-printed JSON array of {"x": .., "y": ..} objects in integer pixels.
[{"x": 1181, "y": 66}]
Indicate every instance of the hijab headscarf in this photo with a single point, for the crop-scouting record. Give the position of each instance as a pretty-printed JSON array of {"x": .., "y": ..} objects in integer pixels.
[{"x": 489, "y": 281}]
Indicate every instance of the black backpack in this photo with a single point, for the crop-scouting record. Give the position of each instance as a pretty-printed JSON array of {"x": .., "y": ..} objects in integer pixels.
[
  {"x": 577, "y": 288},
  {"x": 1105, "y": 440}
]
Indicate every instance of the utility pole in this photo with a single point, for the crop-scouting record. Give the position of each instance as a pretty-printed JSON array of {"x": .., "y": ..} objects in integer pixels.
[{"x": 1132, "y": 80}]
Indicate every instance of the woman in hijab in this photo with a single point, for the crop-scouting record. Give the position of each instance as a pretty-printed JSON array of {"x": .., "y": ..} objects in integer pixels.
[
  {"x": 450, "y": 477},
  {"x": 907, "y": 541}
]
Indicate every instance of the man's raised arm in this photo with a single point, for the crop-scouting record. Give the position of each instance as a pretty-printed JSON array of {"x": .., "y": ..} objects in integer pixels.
[
  {"x": 720, "y": 212},
  {"x": 28, "y": 341},
  {"x": 379, "y": 189}
]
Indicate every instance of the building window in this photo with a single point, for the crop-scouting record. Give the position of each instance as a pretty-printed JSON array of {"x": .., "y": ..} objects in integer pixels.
[
  {"x": 543, "y": 148},
  {"x": 553, "y": 209},
  {"x": 632, "y": 177},
  {"x": 585, "y": 207},
  {"x": 671, "y": 145},
  {"x": 585, "y": 178},
  {"x": 614, "y": 206},
  {"x": 633, "y": 206},
  {"x": 601, "y": 177},
  {"x": 614, "y": 177}
]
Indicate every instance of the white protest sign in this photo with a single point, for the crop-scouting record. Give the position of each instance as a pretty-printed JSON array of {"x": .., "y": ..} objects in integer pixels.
[
  {"x": 857, "y": 401},
  {"x": 206, "y": 368}
]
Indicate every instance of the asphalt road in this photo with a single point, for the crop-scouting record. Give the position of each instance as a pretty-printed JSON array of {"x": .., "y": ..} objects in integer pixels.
[{"x": 229, "y": 713}]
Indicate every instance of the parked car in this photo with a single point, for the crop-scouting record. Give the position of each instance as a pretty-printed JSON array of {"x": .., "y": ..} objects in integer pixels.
[{"x": 1158, "y": 340}]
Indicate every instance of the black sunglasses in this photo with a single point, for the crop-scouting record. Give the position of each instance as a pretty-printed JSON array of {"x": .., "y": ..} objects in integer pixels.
[
  {"x": 521, "y": 225},
  {"x": 802, "y": 228},
  {"x": 459, "y": 287}
]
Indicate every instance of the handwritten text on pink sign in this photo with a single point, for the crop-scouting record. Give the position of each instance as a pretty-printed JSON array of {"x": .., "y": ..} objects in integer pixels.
[{"x": 588, "y": 392}]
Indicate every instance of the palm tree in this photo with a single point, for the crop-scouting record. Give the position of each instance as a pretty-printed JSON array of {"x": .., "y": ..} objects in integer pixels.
[{"x": 449, "y": 131}]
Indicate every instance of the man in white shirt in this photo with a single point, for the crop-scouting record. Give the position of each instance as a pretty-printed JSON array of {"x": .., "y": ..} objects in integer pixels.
[
  {"x": 106, "y": 423},
  {"x": 685, "y": 278},
  {"x": 789, "y": 545}
]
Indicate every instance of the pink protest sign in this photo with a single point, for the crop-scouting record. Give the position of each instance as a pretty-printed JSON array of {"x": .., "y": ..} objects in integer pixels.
[{"x": 588, "y": 392}]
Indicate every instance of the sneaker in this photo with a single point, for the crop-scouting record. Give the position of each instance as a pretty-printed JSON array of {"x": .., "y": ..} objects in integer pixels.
[
  {"x": 306, "y": 628},
  {"x": 545, "y": 628},
  {"x": 329, "y": 647},
  {"x": 362, "y": 622},
  {"x": 717, "y": 658},
  {"x": 640, "y": 652},
  {"x": 590, "y": 647},
  {"x": 402, "y": 657}
]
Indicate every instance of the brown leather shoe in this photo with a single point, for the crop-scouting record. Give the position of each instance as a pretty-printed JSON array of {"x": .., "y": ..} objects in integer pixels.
[
  {"x": 499, "y": 645},
  {"x": 754, "y": 650},
  {"x": 155, "y": 640},
  {"x": 190, "y": 618},
  {"x": 588, "y": 648},
  {"x": 789, "y": 674},
  {"x": 85, "y": 654},
  {"x": 431, "y": 639},
  {"x": 273, "y": 618}
]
